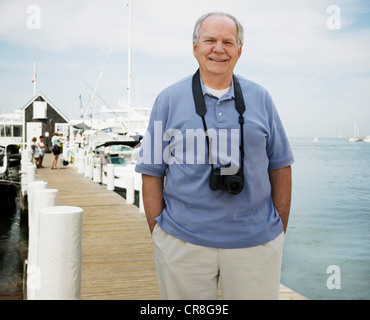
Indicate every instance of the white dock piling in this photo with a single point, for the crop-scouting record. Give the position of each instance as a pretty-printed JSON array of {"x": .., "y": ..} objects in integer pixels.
[
  {"x": 60, "y": 253},
  {"x": 110, "y": 177},
  {"x": 42, "y": 198},
  {"x": 35, "y": 185},
  {"x": 86, "y": 165},
  {"x": 27, "y": 155},
  {"x": 97, "y": 171},
  {"x": 130, "y": 191},
  {"x": 81, "y": 161},
  {"x": 90, "y": 168},
  {"x": 31, "y": 173}
]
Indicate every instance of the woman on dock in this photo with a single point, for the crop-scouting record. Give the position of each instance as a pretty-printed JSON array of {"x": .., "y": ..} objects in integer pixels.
[
  {"x": 55, "y": 142},
  {"x": 41, "y": 147},
  {"x": 35, "y": 151}
]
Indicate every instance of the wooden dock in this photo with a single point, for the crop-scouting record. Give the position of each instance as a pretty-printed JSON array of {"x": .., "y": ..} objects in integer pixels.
[{"x": 117, "y": 246}]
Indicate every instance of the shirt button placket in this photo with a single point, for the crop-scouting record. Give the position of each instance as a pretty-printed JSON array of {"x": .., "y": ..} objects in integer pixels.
[{"x": 218, "y": 111}]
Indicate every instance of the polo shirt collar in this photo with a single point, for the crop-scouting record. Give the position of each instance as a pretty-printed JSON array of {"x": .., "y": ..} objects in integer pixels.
[{"x": 230, "y": 93}]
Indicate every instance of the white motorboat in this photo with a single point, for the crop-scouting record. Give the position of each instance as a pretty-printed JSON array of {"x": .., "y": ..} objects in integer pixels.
[{"x": 9, "y": 159}]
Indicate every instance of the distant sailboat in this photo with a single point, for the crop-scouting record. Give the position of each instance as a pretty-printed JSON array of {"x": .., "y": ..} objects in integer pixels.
[{"x": 356, "y": 135}]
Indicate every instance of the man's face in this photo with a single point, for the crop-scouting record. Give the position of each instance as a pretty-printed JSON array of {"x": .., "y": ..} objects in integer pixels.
[{"x": 217, "y": 50}]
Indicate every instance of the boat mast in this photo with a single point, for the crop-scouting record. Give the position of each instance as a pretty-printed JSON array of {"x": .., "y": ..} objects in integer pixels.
[
  {"x": 356, "y": 133},
  {"x": 129, "y": 64},
  {"x": 101, "y": 74},
  {"x": 34, "y": 78},
  {"x": 81, "y": 108}
]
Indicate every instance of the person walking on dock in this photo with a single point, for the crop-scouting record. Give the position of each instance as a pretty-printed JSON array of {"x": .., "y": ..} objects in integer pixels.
[
  {"x": 41, "y": 146},
  {"x": 56, "y": 149},
  {"x": 35, "y": 151},
  {"x": 222, "y": 211}
]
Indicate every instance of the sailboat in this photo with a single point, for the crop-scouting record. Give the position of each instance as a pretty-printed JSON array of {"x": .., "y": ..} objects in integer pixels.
[
  {"x": 138, "y": 118},
  {"x": 120, "y": 145},
  {"x": 131, "y": 121},
  {"x": 356, "y": 135}
]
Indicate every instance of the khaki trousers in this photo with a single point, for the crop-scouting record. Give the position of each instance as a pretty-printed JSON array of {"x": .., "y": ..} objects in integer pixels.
[{"x": 190, "y": 272}]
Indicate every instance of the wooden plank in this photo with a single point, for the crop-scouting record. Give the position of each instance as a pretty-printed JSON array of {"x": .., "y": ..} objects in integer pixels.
[{"x": 116, "y": 243}]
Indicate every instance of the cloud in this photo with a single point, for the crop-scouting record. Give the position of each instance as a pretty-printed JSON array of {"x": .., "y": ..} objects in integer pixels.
[
  {"x": 64, "y": 24},
  {"x": 288, "y": 48},
  {"x": 284, "y": 33},
  {"x": 296, "y": 36}
]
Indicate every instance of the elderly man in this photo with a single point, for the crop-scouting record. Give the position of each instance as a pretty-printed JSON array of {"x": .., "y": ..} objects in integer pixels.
[{"x": 221, "y": 213}]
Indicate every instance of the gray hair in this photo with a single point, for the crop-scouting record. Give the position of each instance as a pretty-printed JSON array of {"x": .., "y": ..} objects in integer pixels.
[{"x": 240, "y": 29}]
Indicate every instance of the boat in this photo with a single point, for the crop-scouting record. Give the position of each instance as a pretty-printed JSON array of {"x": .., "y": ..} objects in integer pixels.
[
  {"x": 122, "y": 154},
  {"x": 356, "y": 135},
  {"x": 125, "y": 120},
  {"x": 3, "y": 163},
  {"x": 367, "y": 139},
  {"x": 125, "y": 149},
  {"x": 116, "y": 139},
  {"x": 9, "y": 171},
  {"x": 11, "y": 128},
  {"x": 10, "y": 159},
  {"x": 113, "y": 135}
]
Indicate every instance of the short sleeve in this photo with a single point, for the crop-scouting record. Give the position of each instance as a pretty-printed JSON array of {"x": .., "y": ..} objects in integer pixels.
[
  {"x": 278, "y": 148},
  {"x": 150, "y": 159}
]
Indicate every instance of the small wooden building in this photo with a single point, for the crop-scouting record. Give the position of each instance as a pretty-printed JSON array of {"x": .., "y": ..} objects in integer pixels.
[{"x": 41, "y": 117}]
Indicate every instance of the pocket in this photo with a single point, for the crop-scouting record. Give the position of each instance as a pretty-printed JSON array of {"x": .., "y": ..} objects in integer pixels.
[
  {"x": 154, "y": 229},
  {"x": 277, "y": 244}
]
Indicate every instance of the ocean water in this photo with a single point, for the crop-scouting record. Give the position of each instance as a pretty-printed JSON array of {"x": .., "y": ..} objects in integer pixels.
[
  {"x": 13, "y": 251},
  {"x": 329, "y": 222}
]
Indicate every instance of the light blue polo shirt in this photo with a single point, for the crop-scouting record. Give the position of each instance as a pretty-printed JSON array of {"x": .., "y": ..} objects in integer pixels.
[{"x": 174, "y": 147}]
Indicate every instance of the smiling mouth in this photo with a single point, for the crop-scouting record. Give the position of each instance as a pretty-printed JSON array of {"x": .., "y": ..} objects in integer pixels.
[{"x": 218, "y": 60}]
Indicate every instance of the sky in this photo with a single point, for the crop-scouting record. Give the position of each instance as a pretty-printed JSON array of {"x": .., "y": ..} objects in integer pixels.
[{"x": 313, "y": 56}]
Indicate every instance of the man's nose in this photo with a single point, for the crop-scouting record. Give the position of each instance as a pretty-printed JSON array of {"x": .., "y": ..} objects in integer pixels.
[{"x": 218, "y": 47}]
